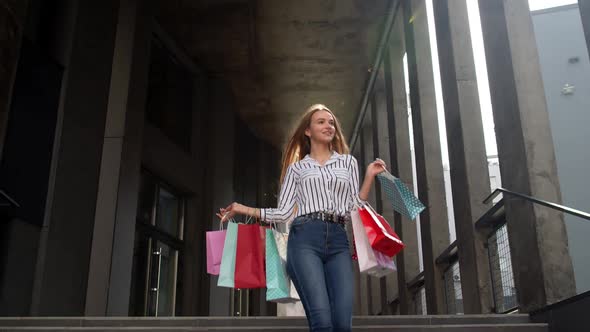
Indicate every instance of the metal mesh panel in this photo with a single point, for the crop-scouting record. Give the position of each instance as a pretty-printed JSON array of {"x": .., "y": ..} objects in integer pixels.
[
  {"x": 453, "y": 294},
  {"x": 501, "y": 271},
  {"x": 420, "y": 301}
]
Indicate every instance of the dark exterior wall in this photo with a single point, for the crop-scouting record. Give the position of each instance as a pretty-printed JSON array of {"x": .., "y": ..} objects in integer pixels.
[
  {"x": 12, "y": 22},
  {"x": 62, "y": 268}
]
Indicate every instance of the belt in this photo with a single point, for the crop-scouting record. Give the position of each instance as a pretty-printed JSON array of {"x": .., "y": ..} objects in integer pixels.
[{"x": 326, "y": 216}]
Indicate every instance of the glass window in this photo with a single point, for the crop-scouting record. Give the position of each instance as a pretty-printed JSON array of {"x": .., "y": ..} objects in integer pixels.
[
  {"x": 168, "y": 216},
  {"x": 169, "y": 97}
]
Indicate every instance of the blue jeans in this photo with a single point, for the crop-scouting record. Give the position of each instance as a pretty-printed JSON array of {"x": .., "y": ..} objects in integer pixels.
[{"x": 319, "y": 263}]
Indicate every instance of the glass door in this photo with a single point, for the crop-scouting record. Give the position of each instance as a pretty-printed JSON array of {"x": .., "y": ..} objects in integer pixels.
[{"x": 158, "y": 248}]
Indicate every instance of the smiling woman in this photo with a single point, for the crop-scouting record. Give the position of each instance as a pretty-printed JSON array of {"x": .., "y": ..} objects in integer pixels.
[{"x": 319, "y": 188}]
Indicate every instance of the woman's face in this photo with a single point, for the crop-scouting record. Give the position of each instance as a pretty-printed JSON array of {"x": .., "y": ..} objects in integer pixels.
[{"x": 322, "y": 128}]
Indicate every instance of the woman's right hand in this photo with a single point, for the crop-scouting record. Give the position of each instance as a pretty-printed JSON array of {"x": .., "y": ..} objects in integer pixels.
[{"x": 230, "y": 211}]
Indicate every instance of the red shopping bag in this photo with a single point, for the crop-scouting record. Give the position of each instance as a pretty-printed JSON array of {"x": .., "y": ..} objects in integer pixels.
[
  {"x": 381, "y": 237},
  {"x": 250, "y": 270}
]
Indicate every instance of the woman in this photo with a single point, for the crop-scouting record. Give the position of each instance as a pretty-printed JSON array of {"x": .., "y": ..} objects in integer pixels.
[{"x": 319, "y": 188}]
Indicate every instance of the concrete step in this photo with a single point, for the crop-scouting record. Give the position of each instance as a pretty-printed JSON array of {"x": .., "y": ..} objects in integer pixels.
[
  {"x": 362, "y": 328},
  {"x": 406, "y": 320}
]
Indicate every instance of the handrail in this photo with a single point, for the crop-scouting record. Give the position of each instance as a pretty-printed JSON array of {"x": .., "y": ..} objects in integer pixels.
[
  {"x": 447, "y": 254},
  {"x": 416, "y": 282},
  {"x": 9, "y": 200},
  {"x": 383, "y": 43},
  {"x": 562, "y": 208}
]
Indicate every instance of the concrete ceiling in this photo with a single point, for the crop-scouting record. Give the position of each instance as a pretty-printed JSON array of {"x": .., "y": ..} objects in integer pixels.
[{"x": 280, "y": 56}]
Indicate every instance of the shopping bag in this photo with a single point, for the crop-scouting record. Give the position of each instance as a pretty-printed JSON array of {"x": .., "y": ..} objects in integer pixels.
[
  {"x": 249, "y": 271},
  {"x": 215, "y": 241},
  {"x": 380, "y": 234},
  {"x": 279, "y": 287},
  {"x": 371, "y": 261},
  {"x": 402, "y": 198},
  {"x": 227, "y": 267},
  {"x": 281, "y": 240}
]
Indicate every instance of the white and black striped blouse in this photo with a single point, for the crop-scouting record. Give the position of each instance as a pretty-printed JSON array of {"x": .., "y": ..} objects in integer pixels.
[{"x": 333, "y": 188}]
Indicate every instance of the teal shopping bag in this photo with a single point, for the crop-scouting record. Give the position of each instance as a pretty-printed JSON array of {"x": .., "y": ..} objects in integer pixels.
[
  {"x": 402, "y": 199},
  {"x": 228, "y": 260},
  {"x": 278, "y": 285}
]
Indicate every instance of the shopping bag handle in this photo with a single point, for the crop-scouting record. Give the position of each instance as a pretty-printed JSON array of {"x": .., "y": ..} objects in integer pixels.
[{"x": 221, "y": 222}]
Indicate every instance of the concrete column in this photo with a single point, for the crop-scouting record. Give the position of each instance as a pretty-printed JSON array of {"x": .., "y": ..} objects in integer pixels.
[
  {"x": 219, "y": 179},
  {"x": 196, "y": 279},
  {"x": 539, "y": 244},
  {"x": 378, "y": 115},
  {"x": 12, "y": 22},
  {"x": 363, "y": 279},
  {"x": 64, "y": 254},
  {"x": 109, "y": 279},
  {"x": 433, "y": 221},
  {"x": 383, "y": 106},
  {"x": 584, "y": 6},
  {"x": 267, "y": 186},
  {"x": 358, "y": 298},
  {"x": 408, "y": 265},
  {"x": 369, "y": 143},
  {"x": 467, "y": 151}
]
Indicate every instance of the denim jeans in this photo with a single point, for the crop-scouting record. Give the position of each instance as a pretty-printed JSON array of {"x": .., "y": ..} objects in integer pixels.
[{"x": 319, "y": 263}]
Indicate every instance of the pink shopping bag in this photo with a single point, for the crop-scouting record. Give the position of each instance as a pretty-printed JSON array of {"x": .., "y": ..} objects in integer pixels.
[{"x": 215, "y": 241}]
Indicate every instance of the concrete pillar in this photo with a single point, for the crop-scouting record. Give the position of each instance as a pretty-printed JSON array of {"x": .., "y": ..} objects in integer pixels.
[
  {"x": 219, "y": 181},
  {"x": 374, "y": 292},
  {"x": 433, "y": 221},
  {"x": 12, "y": 22},
  {"x": 363, "y": 279},
  {"x": 378, "y": 113},
  {"x": 383, "y": 106},
  {"x": 584, "y": 6},
  {"x": 196, "y": 279},
  {"x": 539, "y": 244},
  {"x": 66, "y": 236},
  {"x": 109, "y": 279},
  {"x": 467, "y": 152},
  {"x": 358, "y": 289},
  {"x": 408, "y": 266}
]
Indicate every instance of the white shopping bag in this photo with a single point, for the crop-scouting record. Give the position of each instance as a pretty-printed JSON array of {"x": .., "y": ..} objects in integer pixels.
[{"x": 371, "y": 262}]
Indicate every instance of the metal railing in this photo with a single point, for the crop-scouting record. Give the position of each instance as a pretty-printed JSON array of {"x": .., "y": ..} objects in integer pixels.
[
  {"x": 502, "y": 274},
  {"x": 559, "y": 207},
  {"x": 453, "y": 292},
  {"x": 381, "y": 50},
  {"x": 420, "y": 301},
  {"x": 498, "y": 245}
]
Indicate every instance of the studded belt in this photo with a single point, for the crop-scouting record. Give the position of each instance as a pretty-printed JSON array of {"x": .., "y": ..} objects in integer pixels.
[{"x": 326, "y": 216}]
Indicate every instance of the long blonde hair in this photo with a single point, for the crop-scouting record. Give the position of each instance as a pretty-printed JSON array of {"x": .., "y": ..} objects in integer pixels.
[{"x": 299, "y": 145}]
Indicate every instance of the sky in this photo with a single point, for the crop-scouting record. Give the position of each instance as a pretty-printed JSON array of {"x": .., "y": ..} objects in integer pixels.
[{"x": 541, "y": 4}]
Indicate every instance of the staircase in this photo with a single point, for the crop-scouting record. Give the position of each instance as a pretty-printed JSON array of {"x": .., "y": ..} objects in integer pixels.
[{"x": 438, "y": 323}]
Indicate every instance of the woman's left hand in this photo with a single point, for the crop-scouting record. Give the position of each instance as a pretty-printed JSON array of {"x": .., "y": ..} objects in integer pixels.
[{"x": 375, "y": 168}]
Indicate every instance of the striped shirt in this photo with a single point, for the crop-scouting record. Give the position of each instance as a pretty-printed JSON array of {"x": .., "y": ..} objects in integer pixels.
[{"x": 311, "y": 187}]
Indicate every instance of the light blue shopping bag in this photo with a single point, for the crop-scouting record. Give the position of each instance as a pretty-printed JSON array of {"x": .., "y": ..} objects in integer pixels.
[
  {"x": 228, "y": 259},
  {"x": 402, "y": 199},
  {"x": 279, "y": 287}
]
